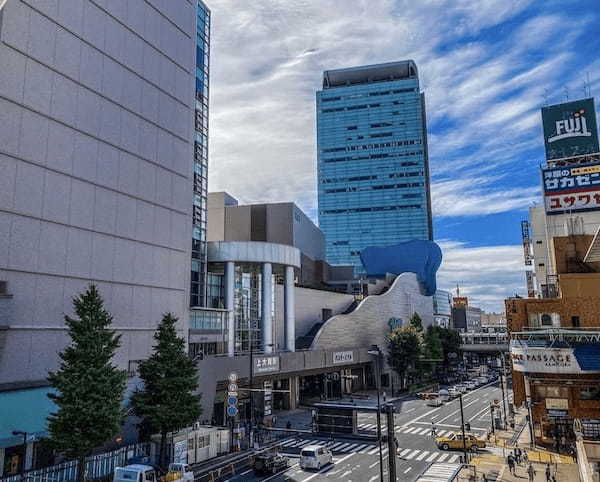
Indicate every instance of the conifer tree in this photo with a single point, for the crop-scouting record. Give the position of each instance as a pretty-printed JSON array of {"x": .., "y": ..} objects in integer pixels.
[
  {"x": 89, "y": 387},
  {"x": 167, "y": 402}
]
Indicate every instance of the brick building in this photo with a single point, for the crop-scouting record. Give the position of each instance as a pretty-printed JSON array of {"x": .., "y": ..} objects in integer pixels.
[{"x": 555, "y": 346}]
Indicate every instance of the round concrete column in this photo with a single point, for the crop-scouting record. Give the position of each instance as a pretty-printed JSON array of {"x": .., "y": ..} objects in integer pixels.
[
  {"x": 267, "y": 307},
  {"x": 289, "y": 316},
  {"x": 229, "y": 305}
]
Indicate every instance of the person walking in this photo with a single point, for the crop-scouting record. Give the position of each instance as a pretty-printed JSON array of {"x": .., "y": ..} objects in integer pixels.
[
  {"x": 548, "y": 473},
  {"x": 531, "y": 472},
  {"x": 510, "y": 460},
  {"x": 433, "y": 430},
  {"x": 518, "y": 455}
]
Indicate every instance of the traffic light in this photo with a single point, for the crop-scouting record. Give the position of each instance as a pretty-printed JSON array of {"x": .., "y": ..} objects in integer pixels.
[{"x": 467, "y": 427}]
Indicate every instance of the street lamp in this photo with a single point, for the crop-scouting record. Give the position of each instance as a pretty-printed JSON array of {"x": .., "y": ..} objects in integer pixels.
[
  {"x": 502, "y": 375},
  {"x": 16, "y": 433},
  {"x": 376, "y": 352}
]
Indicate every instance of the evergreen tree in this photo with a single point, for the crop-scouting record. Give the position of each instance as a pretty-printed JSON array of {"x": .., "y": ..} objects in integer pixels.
[
  {"x": 451, "y": 342},
  {"x": 167, "y": 402},
  {"x": 89, "y": 388},
  {"x": 432, "y": 344},
  {"x": 404, "y": 347},
  {"x": 416, "y": 321}
]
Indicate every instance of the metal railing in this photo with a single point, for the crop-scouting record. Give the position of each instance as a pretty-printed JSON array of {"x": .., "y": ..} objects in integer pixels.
[{"x": 96, "y": 466}]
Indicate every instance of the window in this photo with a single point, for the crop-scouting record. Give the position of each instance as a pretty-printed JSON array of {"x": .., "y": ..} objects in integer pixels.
[
  {"x": 546, "y": 320},
  {"x": 589, "y": 393},
  {"x": 575, "y": 321},
  {"x": 541, "y": 264},
  {"x": 538, "y": 242}
]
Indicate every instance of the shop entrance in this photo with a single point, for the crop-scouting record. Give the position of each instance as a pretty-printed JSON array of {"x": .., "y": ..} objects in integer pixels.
[{"x": 323, "y": 386}]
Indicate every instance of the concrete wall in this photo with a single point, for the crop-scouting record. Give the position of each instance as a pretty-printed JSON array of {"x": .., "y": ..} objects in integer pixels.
[
  {"x": 368, "y": 324},
  {"x": 96, "y": 149}
]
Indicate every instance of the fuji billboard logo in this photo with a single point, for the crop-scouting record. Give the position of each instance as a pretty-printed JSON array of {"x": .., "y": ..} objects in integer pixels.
[{"x": 575, "y": 126}]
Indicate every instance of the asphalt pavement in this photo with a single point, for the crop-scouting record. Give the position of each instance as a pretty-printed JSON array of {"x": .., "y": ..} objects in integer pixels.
[{"x": 358, "y": 460}]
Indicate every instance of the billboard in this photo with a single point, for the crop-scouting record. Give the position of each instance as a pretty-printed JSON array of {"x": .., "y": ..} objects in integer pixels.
[
  {"x": 570, "y": 129},
  {"x": 572, "y": 189}
]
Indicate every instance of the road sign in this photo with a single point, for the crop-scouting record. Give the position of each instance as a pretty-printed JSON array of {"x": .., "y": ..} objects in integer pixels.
[
  {"x": 232, "y": 400},
  {"x": 233, "y": 377},
  {"x": 232, "y": 411},
  {"x": 232, "y": 387}
]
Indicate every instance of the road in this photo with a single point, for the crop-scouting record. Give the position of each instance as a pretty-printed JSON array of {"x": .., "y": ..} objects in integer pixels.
[{"x": 358, "y": 460}]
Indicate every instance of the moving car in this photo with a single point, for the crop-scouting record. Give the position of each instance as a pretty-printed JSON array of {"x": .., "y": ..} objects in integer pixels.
[
  {"x": 435, "y": 402},
  {"x": 455, "y": 441},
  {"x": 461, "y": 388},
  {"x": 453, "y": 392},
  {"x": 269, "y": 463},
  {"x": 315, "y": 457},
  {"x": 471, "y": 385}
]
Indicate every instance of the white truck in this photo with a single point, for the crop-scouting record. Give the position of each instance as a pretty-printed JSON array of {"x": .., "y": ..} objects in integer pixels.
[{"x": 146, "y": 473}]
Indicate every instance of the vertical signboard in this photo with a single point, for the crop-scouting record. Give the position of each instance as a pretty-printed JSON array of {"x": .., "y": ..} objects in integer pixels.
[
  {"x": 572, "y": 188},
  {"x": 570, "y": 129}
]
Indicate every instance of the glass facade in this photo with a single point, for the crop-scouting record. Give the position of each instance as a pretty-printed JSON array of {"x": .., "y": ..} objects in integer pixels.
[
  {"x": 198, "y": 275},
  {"x": 373, "y": 172}
]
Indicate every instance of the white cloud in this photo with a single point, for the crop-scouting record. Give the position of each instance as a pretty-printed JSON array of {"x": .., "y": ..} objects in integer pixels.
[{"x": 487, "y": 274}]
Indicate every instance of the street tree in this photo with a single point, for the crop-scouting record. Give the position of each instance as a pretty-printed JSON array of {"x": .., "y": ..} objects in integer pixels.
[
  {"x": 88, "y": 386},
  {"x": 404, "y": 348},
  {"x": 451, "y": 342},
  {"x": 416, "y": 321},
  {"x": 167, "y": 402}
]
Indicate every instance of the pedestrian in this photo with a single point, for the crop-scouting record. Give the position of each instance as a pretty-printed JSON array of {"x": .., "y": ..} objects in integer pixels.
[
  {"x": 433, "y": 430},
  {"x": 548, "y": 473},
  {"x": 274, "y": 420},
  {"x": 397, "y": 444},
  {"x": 510, "y": 460},
  {"x": 531, "y": 472},
  {"x": 288, "y": 425},
  {"x": 525, "y": 457},
  {"x": 331, "y": 439},
  {"x": 518, "y": 455},
  {"x": 384, "y": 397}
]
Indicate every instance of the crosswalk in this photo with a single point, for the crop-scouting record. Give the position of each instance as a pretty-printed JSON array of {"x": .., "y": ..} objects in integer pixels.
[
  {"x": 370, "y": 449},
  {"x": 406, "y": 430}
]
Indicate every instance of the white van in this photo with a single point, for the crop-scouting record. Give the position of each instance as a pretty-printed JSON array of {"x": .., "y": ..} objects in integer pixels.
[{"x": 315, "y": 457}]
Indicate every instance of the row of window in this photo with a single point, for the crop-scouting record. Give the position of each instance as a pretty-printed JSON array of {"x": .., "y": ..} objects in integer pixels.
[
  {"x": 383, "y": 155},
  {"x": 376, "y": 188},
  {"x": 371, "y": 209},
  {"x": 381, "y": 145},
  {"x": 369, "y": 94}
]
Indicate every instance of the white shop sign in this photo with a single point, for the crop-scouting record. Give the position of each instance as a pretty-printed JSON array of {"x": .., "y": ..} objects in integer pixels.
[
  {"x": 544, "y": 360},
  {"x": 343, "y": 357}
]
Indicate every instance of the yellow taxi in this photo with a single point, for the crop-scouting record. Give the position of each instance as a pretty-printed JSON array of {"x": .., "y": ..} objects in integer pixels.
[{"x": 455, "y": 441}]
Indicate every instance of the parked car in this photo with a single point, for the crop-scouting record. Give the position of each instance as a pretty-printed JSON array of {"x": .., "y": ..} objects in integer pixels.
[
  {"x": 315, "y": 457},
  {"x": 435, "y": 402},
  {"x": 453, "y": 392},
  {"x": 269, "y": 463},
  {"x": 455, "y": 441},
  {"x": 461, "y": 388},
  {"x": 471, "y": 385},
  {"x": 444, "y": 395}
]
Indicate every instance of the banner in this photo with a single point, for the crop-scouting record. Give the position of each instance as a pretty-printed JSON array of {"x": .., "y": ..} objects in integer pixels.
[
  {"x": 571, "y": 189},
  {"x": 570, "y": 129}
]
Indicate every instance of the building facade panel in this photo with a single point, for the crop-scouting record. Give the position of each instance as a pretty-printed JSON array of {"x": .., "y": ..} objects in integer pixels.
[{"x": 83, "y": 182}]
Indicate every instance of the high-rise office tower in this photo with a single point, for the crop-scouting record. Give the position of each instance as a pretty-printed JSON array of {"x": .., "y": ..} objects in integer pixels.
[
  {"x": 198, "y": 274},
  {"x": 96, "y": 145},
  {"x": 373, "y": 171}
]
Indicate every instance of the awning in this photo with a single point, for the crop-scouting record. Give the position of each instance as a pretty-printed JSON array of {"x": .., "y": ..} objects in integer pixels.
[
  {"x": 25, "y": 411},
  {"x": 588, "y": 356},
  {"x": 440, "y": 473}
]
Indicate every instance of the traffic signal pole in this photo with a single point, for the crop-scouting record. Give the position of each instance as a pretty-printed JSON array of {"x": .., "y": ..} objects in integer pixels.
[
  {"x": 462, "y": 424},
  {"x": 389, "y": 409}
]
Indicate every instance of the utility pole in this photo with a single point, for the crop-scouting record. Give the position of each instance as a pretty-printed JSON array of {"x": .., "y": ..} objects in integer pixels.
[
  {"x": 389, "y": 408},
  {"x": 502, "y": 387},
  {"x": 462, "y": 425},
  {"x": 377, "y": 353}
]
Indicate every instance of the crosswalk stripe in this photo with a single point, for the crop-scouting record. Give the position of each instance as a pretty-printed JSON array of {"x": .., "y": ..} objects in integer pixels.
[
  {"x": 336, "y": 445},
  {"x": 424, "y": 431},
  {"x": 343, "y": 446},
  {"x": 423, "y": 455},
  {"x": 411, "y": 455},
  {"x": 360, "y": 448},
  {"x": 443, "y": 457},
  {"x": 302, "y": 444},
  {"x": 373, "y": 451},
  {"x": 351, "y": 448},
  {"x": 404, "y": 452},
  {"x": 454, "y": 458},
  {"x": 411, "y": 430},
  {"x": 432, "y": 457},
  {"x": 287, "y": 443}
]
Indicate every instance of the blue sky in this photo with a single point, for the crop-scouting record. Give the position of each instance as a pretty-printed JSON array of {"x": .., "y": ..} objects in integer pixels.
[{"x": 486, "y": 67}]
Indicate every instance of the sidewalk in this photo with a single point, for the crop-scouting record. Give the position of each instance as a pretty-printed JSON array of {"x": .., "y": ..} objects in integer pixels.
[{"x": 494, "y": 467}]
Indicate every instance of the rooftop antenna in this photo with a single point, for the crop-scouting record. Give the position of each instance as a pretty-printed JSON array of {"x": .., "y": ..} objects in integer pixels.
[
  {"x": 457, "y": 291},
  {"x": 587, "y": 88},
  {"x": 546, "y": 97},
  {"x": 566, "y": 92}
]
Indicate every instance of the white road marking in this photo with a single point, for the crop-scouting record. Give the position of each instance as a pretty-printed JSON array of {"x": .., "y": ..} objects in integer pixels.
[
  {"x": 374, "y": 451},
  {"x": 432, "y": 457},
  {"x": 327, "y": 467},
  {"x": 411, "y": 455},
  {"x": 443, "y": 457},
  {"x": 408, "y": 470},
  {"x": 404, "y": 452},
  {"x": 453, "y": 459},
  {"x": 423, "y": 455}
]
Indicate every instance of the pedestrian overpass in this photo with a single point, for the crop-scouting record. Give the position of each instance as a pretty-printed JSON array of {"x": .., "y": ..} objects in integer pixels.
[{"x": 481, "y": 342}]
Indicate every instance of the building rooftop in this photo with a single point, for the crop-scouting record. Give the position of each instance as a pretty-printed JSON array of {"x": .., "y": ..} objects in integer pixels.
[{"x": 367, "y": 74}]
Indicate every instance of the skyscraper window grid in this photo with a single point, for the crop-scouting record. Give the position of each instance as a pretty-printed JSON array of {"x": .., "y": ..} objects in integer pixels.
[
  {"x": 198, "y": 274},
  {"x": 373, "y": 179}
]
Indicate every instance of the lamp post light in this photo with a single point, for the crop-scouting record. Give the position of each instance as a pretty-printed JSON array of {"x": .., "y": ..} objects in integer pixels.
[
  {"x": 376, "y": 352},
  {"x": 16, "y": 433}
]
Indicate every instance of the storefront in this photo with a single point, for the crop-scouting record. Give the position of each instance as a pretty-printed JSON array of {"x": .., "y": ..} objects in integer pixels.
[{"x": 561, "y": 382}]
